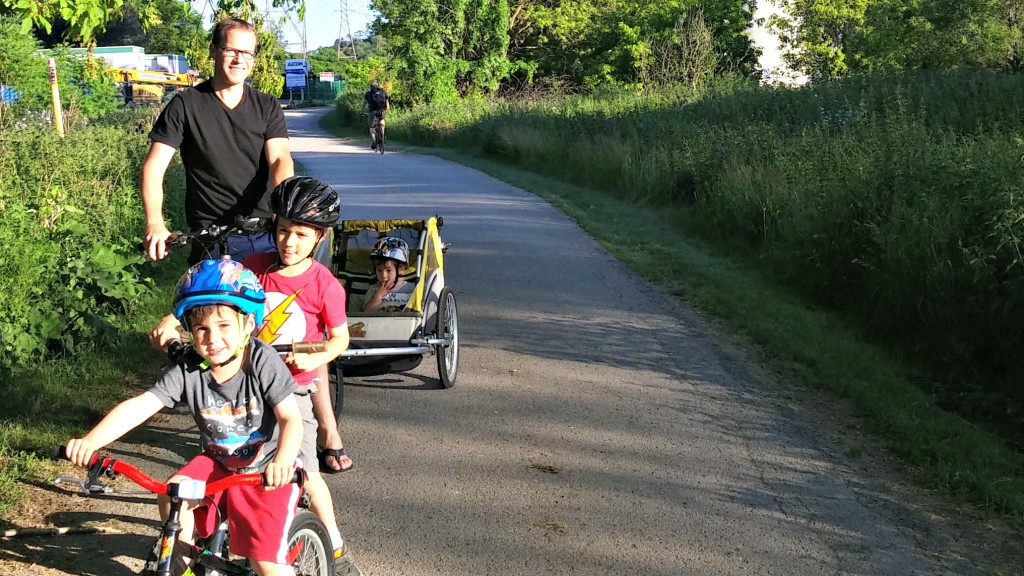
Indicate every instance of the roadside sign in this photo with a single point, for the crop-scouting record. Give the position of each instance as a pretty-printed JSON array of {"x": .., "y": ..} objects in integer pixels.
[
  {"x": 327, "y": 76},
  {"x": 294, "y": 80},
  {"x": 296, "y": 66}
]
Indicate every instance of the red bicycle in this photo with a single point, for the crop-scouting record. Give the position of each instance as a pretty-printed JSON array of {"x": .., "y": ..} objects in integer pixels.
[{"x": 309, "y": 548}]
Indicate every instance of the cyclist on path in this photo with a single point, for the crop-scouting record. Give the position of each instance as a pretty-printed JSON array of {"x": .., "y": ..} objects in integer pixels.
[{"x": 377, "y": 102}]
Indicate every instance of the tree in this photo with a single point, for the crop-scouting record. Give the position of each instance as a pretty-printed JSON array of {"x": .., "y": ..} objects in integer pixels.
[
  {"x": 590, "y": 42},
  {"x": 445, "y": 48},
  {"x": 86, "y": 18},
  {"x": 829, "y": 38},
  {"x": 82, "y": 81}
]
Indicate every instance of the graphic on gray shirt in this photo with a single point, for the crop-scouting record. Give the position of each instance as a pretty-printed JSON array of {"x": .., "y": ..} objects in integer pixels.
[{"x": 235, "y": 418}]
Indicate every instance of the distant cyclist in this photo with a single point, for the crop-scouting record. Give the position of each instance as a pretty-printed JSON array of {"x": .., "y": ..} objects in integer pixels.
[{"x": 376, "y": 100}]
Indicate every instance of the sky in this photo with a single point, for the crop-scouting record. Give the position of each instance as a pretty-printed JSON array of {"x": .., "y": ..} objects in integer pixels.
[{"x": 322, "y": 21}]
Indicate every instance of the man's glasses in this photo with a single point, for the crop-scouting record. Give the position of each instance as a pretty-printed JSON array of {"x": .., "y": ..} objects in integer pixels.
[{"x": 236, "y": 53}]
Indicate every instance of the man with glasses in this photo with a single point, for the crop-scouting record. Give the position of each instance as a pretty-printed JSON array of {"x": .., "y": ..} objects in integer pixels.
[{"x": 234, "y": 146}]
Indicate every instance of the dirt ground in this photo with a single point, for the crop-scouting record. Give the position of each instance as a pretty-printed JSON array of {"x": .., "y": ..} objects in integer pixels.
[
  {"x": 112, "y": 532},
  {"x": 109, "y": 534}
]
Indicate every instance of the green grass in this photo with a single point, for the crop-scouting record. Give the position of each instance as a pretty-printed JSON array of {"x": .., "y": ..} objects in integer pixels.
[
  {"x": 893, "y": 199},
  {"x": 801, "y": 342},
  {"x": 62, "y": 398}
]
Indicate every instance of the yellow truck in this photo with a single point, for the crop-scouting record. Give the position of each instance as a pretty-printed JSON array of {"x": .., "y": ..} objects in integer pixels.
[{"x": 150, "y": 86}]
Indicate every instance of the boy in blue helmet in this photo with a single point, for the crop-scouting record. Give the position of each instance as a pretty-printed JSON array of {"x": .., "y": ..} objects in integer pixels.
[
  {"x": 241, "y": 395},
  {"x": 304, "y": 302}
]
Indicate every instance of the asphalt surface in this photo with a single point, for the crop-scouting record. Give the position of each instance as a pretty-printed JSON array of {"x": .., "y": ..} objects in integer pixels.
[{"x": 594, "y": 429}]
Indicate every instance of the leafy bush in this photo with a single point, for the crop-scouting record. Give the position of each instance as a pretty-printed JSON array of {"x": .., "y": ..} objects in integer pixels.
[
  {"x": 85, "y": 86},
  {"x": 69, "y": 211}
]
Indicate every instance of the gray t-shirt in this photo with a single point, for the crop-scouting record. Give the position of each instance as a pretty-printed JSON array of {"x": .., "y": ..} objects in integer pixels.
[
  {"x": 236, "y": 419},
  {"x": 395, "y": 301}
]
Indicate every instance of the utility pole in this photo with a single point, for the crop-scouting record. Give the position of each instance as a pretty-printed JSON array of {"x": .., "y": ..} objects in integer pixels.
[{"x": 343, "y": 24}]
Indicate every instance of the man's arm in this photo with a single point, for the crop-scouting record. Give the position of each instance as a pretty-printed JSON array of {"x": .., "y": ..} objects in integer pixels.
[
  {"x": 153, "y": 170},
  {"x": 279, "y": 157}
]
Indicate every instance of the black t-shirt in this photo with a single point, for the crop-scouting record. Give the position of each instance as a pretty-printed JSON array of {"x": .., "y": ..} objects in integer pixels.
[{"x": 226, "y": 169}]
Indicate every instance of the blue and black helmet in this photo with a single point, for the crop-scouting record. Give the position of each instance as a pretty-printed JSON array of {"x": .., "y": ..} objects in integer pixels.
[
  {"x": 390, "y": 248},
  {"x": 221, "y": 281}
]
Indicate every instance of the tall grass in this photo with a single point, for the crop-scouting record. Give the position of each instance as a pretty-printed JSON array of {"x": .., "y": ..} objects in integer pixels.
[
  {"x": 71, "y": 215},
  {"x": 75, "y": 296},
  {"x": 895, "y": 199}
]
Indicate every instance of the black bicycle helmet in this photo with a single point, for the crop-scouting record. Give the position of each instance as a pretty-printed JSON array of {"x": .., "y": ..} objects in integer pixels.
[{"x": 306, "y": 200}]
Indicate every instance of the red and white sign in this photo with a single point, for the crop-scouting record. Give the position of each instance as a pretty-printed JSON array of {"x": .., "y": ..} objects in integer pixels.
[{"x": 327, "y": 76}]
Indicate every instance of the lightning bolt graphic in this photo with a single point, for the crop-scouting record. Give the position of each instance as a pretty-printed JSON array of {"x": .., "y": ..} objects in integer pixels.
[{"x": 277, "y": 317}]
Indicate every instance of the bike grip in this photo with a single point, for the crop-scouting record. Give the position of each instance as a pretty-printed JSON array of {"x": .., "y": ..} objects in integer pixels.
[
  {"x": 175, "y": 349},
  {"x": 61, "y": 453},
  {"x": 298, "y": 478},
  {"x": 309, "y": 347}
]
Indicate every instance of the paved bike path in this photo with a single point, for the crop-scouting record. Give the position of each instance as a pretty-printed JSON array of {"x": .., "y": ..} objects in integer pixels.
[{"x": 594, "y": 428}]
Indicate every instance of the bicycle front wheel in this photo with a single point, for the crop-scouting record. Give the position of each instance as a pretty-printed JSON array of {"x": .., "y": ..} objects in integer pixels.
[{"x": 309, "y": 546}]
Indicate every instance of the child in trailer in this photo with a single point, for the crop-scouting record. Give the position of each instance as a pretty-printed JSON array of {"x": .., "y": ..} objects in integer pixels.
[{"x": 390, "y": 293}]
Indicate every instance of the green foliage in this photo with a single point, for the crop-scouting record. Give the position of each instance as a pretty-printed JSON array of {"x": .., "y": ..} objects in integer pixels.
[
  {"x": 267, "y": 68},
  {"x": 159, "y": 26},
  {"x": 831, "y": 38},
  {"x": 20, "y": 67},
  {"x": 445, "y": 49},
  {"x": 587, "y": 43},
  {"x": 84, "y": 17},
  {"x": 894, "y": 199},
  {"x": 69, "y": 219},
  {"x": 85, "y": 87}
]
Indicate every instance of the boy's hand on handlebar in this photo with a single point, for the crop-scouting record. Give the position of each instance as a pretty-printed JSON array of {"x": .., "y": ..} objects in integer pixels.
[
  {"x": 277, "y": 475},
  {"x": 304, "y": 362},
  {"x": 164, "y": 332},
  {"x": 155, "y": 242},
  {"x": 80, "y": 451}
]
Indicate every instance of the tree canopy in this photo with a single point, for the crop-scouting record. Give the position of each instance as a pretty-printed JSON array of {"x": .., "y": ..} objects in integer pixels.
[{"x": 829, "y": 38}]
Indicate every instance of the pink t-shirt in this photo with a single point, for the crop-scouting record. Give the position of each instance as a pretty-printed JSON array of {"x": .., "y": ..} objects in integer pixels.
[{"x": 299, "y": 308}]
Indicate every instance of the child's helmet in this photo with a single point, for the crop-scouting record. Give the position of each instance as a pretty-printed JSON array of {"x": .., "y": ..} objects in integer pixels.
[
  {"x": 390, "y": 248},
  {"x": 306, "y": 200},
  {"x": 221, "y": 281}
]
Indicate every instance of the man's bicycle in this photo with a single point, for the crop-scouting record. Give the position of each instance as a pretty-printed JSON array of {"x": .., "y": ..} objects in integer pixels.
[
  {"x": 309, "y": 544},
  {"x": 215, "y": 235},
  {"x": 378, "y": 131}
]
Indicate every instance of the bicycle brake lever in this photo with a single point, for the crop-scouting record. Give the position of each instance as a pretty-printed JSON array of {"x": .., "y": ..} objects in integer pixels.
[{"x": 88, "y": 489}]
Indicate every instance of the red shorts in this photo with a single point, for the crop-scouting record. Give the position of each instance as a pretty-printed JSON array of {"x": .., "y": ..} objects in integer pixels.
[{"x": 258, "y": 519}]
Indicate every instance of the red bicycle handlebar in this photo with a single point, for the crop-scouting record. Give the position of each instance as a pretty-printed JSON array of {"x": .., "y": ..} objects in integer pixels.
[{"x": 112, "y": 466}]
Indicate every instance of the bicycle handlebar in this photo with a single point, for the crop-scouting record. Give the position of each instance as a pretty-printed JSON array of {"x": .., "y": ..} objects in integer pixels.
[
  {"x": 302, "y": 347},
  {"x": 176, "y": 348},
  {"x": 111, "y": 468},
  {"x": 214, "y": 233}
]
